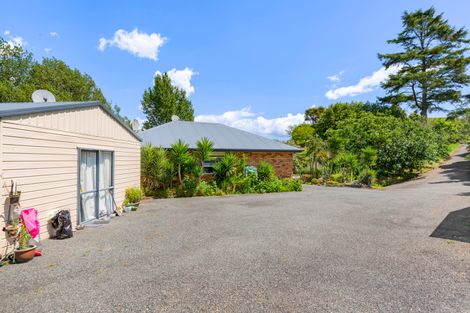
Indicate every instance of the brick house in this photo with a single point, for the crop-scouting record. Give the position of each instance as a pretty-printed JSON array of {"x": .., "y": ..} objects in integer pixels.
[{"x": 225, "y": 139}]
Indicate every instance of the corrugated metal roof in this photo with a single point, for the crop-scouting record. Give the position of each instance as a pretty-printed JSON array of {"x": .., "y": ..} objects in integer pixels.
[
  {"x": 225, "y": 138},
  {"x": 24, "y": 108}
]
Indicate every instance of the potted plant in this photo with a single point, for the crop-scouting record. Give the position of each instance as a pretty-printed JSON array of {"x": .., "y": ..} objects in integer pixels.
[
  {"x": 133, "y": 196},
  {"x": 24, "y": 252}
]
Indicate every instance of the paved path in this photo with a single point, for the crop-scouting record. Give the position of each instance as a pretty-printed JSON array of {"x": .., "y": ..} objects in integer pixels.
[{"x": 321, "y": 250}]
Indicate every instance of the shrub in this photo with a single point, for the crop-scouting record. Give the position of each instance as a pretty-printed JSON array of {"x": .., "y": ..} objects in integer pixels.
[
  {"x": 265, "y": 171},
  {"x": 288, "y": 185},
  {"x": 133, "y": 194},
  {"x": 268, "y": 186},
  {"x": 206, "y": 189},
  {"x": 246, "y": 184},
  {"x": 189, "y": 186},
  {"x": 296, "y": 185},
  {"x": 316, "y": 181},
  {"x": 337, "y": 177}
]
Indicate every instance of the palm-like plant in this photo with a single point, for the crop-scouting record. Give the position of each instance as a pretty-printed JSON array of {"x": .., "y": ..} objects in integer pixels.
[
  {"x": 316, "y": 148},
  {"x": 154, "y": 166},
  {"x": 179, "y": 155},
  {"x": 368, "y": 159},
  {"x": 347, "y": 162},
  {"x": 204, "y": 149},
  {"x": 225, "y": 170}
]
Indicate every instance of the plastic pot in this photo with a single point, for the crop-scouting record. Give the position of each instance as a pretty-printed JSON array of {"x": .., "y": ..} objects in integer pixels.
[{"x": 25, "y": 254}]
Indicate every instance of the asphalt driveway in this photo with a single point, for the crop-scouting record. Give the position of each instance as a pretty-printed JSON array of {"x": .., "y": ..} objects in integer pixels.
[{"x": 403, "y": 249}]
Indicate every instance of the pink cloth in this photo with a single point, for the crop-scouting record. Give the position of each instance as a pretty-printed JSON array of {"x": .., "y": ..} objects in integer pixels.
[{"x": 30, "y": 220}]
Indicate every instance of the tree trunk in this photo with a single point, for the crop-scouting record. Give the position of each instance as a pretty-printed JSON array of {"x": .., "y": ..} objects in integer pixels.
[
  {"x": 424, "y": 107},
  {"x": 179, "y": 174}
]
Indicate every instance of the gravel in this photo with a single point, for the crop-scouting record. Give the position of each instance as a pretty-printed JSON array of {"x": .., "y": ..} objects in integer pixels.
[{"x": 320, "y": 250}]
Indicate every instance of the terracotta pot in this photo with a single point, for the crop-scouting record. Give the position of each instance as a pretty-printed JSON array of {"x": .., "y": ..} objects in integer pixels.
[{"x": 24, "y": 255}]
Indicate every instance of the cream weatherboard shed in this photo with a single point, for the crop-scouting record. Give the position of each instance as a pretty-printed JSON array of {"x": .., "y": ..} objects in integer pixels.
[{"x": 66, "y": 155}]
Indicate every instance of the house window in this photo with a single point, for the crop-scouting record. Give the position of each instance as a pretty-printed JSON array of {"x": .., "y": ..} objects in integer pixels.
[
  {"x": 96, "y": 189},
  {"x": 208, "y": 166}
]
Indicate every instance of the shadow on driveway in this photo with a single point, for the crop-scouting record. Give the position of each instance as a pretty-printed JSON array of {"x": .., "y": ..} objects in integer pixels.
[
  {"x": 456, "y": 226},
  {"x": 456, "y": 171}
]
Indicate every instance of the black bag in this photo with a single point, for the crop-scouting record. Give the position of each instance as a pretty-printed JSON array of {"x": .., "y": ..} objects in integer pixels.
[{"x": 62, "y": 225}]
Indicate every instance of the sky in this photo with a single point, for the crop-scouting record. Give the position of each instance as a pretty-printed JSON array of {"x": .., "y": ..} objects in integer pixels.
[{"x": 254, "y": 65}]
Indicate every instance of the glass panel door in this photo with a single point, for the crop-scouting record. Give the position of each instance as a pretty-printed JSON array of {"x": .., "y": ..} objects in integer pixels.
[
  {"x": 88, "y": 186},
  {"x": 106, "y": 187}
]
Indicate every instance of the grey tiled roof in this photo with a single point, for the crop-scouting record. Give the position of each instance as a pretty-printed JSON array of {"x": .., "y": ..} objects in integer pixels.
[
  {"x": 24, "y": 108},
  {"x": 225, "y": 138}
]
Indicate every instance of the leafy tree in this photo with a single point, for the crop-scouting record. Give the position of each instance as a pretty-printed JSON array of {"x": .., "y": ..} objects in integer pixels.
[
  {"x": 431, "y": 66},
  {"x": 301, "y": 134},
  {"x": 65, "y": 83},
  {"x": 334, "y": 114},
  {"x": 163, "y": 100},
  {"x": 21, "y": 75},
  {"x": 312, "y": 115},
  {"x": 385, "y": 109},
  {"x": 15, "y": 70},
  {"x": 179, "y": 155}
]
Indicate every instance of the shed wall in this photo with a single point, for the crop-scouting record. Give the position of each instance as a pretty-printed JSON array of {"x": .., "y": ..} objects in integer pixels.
[{"x": 40, "y": 153}]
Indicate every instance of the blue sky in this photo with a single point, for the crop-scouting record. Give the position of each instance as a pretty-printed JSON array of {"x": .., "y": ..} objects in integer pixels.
[{"x": 256, "y": 65}]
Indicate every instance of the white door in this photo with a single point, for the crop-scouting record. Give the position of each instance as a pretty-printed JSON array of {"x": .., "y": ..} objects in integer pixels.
[
  {"x": 96, "y": 184},
  {"x": 106, "y": 187},
  {"x": 88, "y": 186}
]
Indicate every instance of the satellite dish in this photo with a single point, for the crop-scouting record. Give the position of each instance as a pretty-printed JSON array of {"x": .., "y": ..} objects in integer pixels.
[
  {"x": 135, "y": 125},
  {"x": 175, "y": 118},
  {"x": 42, "y": 95}
]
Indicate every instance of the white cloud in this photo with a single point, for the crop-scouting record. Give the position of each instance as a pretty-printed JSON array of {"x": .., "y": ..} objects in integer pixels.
[
  {"x": 365, "y": 84},
  {"x": 137, "y": 43},
  {"x": 54, "y": 34},
  {"x": 181, "y": 79},
  {"x": 336, "y": 78},
  {"x": 249, "y": 121},
  {"x": 16, "y": 41},
  {"x": 102, "y": 44},
  {"x": 47, "y": 50}
]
